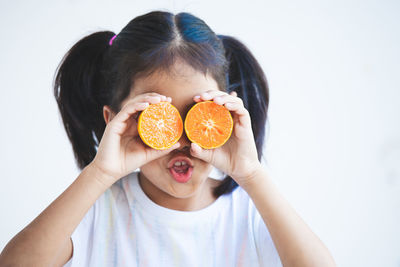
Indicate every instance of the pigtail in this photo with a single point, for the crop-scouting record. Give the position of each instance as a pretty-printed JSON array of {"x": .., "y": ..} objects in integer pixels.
[
  {"x": 246, "y": 77},
  {"x": 78, "y": 85}
]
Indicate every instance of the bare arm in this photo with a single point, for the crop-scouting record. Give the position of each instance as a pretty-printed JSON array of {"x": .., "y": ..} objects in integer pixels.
[
  {"x": 47, "y": 238},
  {"x": 296, "y": 244}
]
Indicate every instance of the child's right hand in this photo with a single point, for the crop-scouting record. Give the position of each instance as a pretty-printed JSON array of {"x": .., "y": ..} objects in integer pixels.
[{"x": 121, "y": 150}]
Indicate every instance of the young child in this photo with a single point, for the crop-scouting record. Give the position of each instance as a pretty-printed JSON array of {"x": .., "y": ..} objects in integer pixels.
[{"x": 114, "y": 215}]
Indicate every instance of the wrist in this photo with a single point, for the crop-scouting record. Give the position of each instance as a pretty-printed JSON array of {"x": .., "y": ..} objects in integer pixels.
[
  {"x": 97, "y": 173},
  {"x": 252, "y": 178}
]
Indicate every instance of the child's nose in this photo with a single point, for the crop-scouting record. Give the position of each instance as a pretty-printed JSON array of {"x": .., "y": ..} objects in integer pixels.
[{"x": 184, "y": 141}]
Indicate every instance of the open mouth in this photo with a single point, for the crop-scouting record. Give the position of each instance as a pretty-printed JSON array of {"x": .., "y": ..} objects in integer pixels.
[{"x": 181, "y": 169}]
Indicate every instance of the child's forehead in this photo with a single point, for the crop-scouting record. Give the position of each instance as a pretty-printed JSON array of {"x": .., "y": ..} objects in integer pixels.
[
  {"x": 187, "y": 82},
  {"x": 173, "y": 91}
]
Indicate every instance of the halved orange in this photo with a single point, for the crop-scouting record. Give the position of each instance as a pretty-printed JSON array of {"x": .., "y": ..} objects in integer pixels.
[
  {"x": 160, "y": 125},
  {"x": 208, "y": 124}
]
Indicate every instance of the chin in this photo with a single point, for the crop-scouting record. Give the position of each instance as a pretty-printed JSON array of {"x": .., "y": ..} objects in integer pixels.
[{"x": 183, "y": 190}]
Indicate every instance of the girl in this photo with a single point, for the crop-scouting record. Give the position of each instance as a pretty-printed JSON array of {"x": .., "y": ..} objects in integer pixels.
[{"x": 113, "y": 215}]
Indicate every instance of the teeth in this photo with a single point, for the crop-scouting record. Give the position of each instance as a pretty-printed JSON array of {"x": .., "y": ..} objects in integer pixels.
[{"x": 180, "y": 163}]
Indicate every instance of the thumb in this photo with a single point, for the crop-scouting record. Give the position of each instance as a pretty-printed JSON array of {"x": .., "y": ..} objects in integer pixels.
[{"x": 198, "y": 152}]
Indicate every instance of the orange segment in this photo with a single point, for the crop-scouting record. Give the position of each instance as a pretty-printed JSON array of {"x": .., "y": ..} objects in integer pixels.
[
  {"x": 160, "y": 125},
  {"x": 208, "y": 124}
]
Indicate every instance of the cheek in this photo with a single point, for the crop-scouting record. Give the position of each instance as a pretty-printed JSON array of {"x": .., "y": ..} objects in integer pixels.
[
  {"x": 154, "y": 173},
  {"x": 202, "y": 167},
  {"x": 154, "y": 166}
]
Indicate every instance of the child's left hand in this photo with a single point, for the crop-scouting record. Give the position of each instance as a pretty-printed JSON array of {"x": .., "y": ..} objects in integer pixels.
[{"x": 238, "y": 156}]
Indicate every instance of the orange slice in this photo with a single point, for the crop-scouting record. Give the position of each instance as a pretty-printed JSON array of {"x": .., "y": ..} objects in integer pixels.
[
  {"x": 160, "y": 125},
  {"x": 208, "y": 124}
]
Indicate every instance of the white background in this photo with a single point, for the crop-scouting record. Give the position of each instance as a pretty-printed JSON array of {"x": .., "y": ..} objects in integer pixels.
[{"x": 333, "y": 70}]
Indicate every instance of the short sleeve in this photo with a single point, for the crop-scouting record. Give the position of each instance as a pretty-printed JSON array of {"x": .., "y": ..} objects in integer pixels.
[
  {"x": 266, "y": 250},
  {"x": 81, "y": 237}
]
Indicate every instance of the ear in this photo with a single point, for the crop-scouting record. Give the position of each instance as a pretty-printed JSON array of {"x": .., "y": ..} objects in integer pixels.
[{"x": 108, "y": 114}]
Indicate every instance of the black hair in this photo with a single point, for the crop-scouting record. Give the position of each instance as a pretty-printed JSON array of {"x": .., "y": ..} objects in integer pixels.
[{"x": 94, "y": 73}]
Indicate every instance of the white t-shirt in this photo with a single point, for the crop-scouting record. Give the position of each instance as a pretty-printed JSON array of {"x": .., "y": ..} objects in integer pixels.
[{"x": 126, "y": 228}]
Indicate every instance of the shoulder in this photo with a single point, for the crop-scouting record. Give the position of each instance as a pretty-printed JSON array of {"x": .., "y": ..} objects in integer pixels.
[
  {"x": 118, "y": 191},
  {"x": 241, "y": 199},
  {"x": 112, "y": 198}
]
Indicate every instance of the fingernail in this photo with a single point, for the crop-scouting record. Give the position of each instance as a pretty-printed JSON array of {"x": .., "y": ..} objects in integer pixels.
[
  {"x": 197, "y": 96},
  {"x": 206, "y": 95}
]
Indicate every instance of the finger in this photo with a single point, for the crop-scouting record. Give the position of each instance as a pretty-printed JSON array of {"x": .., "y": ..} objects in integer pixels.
[
  {"x": 242, "y": 113},
  {"x": 149, "y": 99},
  {"x": 203, "y": 154},
  {"x": 128, "y": 110},
  {"x": 152, "y": 93},
  {"x": 208, "y": 95},
  {"x": 221, "y": 100},
  {"x": 233, "y": 93},
  {"x": 163, "y": 97},
  {"x": 152, "y": 98}
]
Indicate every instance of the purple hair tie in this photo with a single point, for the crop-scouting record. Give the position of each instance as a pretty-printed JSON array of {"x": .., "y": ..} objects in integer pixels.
[{"x": 112, "y": 39}]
